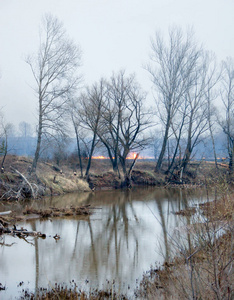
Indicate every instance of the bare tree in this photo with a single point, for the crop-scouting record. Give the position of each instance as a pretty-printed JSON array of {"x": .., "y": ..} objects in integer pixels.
[
  {"x": 113, "y": 111},
  {"x": 177, "y": 126},
  {"x": 6, "y": 130},
  {"x": 74, "y": 108},
  {"x": 25, "y": 129},
  {"x": 92, "y": 102},
  {"x": 214, "y": 77},
  {"x": 123, "y": 121},
  {"x": 53, "y": 69},
  {"x": 60, "y": 148},
  {"x": 26, "y": 139},
  {"x": 171, "y": 68},
  {"x": 156, "y": 143},
  {"x": 227, "y": 95},
  {"x": 198, "y": 114}
]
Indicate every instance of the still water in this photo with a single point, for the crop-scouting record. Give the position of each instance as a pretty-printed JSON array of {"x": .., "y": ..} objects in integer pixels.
[{"x": 127, "y": 233}]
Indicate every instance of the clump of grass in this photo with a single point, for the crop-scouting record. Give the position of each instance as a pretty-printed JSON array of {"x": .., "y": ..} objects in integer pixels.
[
  {"x": 186, "y": 212},
  {"x": 72, "y": 293},
  {"x": 219, "y": 210},
  {"x": 83, "y": 185},
  {"x": 60, "y": 184},
  {"x": 59, "y": 212}
]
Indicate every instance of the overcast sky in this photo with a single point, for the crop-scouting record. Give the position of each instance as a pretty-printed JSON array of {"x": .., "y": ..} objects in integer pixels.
[{"x": 113, "y": 34}]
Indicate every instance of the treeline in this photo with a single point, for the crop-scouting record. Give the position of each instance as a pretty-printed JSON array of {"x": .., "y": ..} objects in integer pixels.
[
  {"x": 193, "y": 95},
  {"x": 62, "y": 149}
]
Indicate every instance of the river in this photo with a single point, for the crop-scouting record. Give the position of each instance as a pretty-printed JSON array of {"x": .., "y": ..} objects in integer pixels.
[{"x": 127, "y": 233}]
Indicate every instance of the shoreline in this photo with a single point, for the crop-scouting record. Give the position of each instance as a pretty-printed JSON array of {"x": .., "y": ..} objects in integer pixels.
[{"x": 50, "y": 180}]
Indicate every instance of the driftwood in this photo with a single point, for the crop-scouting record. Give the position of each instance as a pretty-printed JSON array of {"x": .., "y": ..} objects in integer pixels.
[
  {"x": 25, "y": 179},
  {"x": 20, "y": 232},
  {"x": 4, "y": 213}
]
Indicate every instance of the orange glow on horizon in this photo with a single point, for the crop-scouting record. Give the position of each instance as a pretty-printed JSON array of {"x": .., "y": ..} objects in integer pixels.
[{"x": 131, "y": 155}]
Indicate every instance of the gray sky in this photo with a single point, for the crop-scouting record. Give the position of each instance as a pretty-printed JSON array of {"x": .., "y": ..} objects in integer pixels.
[{"x": 113, "y": 34}]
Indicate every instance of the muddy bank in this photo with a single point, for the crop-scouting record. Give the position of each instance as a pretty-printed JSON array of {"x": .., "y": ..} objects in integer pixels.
[{"x": 111, "y": 180}]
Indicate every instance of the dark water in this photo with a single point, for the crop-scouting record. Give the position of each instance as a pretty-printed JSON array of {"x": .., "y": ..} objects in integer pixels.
[{"x": 127, "y": 233}]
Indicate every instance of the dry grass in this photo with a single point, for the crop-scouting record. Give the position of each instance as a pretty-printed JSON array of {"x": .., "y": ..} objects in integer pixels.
[
  {"x": 48, "y": 179},
  {"x": 202, "y": 267},
  {"x": 73, "y": 293},
  {"x": 61, "y": 184},
  {"x": 220, "y": 210}
]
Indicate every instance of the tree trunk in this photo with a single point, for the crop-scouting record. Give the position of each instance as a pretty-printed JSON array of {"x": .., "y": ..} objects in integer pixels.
[
  {"x": 177, "y": 146},
  {"x": 78, "y": 152},
  {"x": 90, "y": 156},
  {"x": 214, "y": 150},
  {"x": 39, "y": 136},
  {"x": 231, "y": 159},
  {"x": 127, "y": 175},
  {"x": 211, "y": 133},
  {"x": 113, "y": 158},
  {"x": 128, "y": 181},
  {"x": 4, "y": 156},
  {"x": 187, "y": 154},
  {"x": 37, "y": 152},
  {"x": 160, "y": 159},
  {"x": 173, "y": 159}
]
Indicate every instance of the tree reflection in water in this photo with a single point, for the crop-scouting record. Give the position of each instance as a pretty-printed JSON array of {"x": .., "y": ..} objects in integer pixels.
[{"x": 118, "y": 242}]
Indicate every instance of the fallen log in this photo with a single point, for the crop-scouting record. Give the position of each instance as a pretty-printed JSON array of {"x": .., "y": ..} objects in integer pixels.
[
  {"x": 3, "y": 213},
  {"x": 25, "y": 179},
  {"x": 21, "y": 232}
]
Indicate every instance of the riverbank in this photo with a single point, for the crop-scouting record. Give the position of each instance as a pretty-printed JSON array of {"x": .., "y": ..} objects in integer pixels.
[
  {"x": 16, "y": 183},
  {"x": 50, "y": 179}
]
